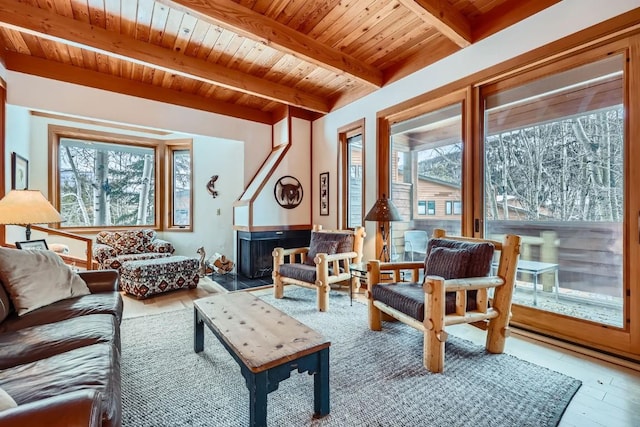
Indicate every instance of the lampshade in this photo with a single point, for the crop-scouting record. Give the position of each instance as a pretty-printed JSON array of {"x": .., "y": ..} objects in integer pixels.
[
  {"x": 383, "y": 210},
  {"x": 25, "y": 207}
]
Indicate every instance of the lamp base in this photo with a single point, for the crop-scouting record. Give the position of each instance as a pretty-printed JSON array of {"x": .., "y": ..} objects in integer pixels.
[{"x": 384, "y": 253}]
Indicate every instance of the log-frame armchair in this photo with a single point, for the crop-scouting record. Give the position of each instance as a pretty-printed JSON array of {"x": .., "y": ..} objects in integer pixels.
[
  {"x": 494, "y": 318},
  {"x": 319, "y": 266}
]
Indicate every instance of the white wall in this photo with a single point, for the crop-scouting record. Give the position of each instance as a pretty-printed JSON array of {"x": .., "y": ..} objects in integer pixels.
[
  {"x": 59, "y": 97},
  {"x": 266, "y": 212},
  {"x": 562, "y": 19},
  {"x": 232, "y": 148}
]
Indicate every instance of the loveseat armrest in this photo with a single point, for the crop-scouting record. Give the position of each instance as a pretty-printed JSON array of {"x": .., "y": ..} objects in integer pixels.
[
  {"x": 100, "y": 280},
  {"x": 80, "y": 408},
  {"x": 161, "y": 246},
  {"x": 101, "y": 252}
]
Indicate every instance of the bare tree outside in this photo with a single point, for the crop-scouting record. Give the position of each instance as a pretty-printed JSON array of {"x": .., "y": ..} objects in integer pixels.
[
  {"x": 104, "y": 184},
  {"x": 568, "y": 170}
]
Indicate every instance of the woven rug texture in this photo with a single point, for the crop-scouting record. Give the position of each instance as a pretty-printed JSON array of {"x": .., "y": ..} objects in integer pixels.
[{"x": 376, "y": 378}]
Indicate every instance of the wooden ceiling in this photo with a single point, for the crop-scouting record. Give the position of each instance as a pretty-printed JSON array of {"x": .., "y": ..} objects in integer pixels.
[{"x": 244, "y": 58}]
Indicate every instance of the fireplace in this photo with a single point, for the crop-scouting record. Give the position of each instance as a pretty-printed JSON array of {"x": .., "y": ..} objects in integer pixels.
[{"x": 255, "y": 247}]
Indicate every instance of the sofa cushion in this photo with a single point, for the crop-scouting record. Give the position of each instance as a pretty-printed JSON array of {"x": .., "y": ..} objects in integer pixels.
[
  {"x": 41, "y": 341},
  {"x": 5, "y": 305},
  {"x": 6, "y": 401},
  {"x": 95, "y": 366},
  {"x": 447, "y": 263},
  {"x": 34, "y": 279},
  {"x": 101, "y": 303}
]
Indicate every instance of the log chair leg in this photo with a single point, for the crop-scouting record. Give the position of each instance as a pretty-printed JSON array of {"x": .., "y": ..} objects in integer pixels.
[
  {"x": 278, "y": 287},
  {"x": 434, "y": 334},
  {"x": 323, "y": 297},
  {"x": 497, "y": 333},
  {"x": 375, "y": 317}
]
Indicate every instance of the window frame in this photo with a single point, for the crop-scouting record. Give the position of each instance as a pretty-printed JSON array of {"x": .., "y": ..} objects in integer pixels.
[
  {"x": 163, "y": 179},
  {"x": 171, "y": 147},
  {"x": 602, "y": 39},
  {"x": 422, "y": 204},
  {"x": 344, "y": 134},
  {"x": 431, "y": 208}
]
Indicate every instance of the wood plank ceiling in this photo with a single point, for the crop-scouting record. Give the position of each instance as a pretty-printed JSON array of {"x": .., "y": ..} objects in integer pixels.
[{"x": 244, "y": 58}]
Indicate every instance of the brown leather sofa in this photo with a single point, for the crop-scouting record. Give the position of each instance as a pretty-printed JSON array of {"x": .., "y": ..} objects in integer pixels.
[{"x": 61, "y": 362}]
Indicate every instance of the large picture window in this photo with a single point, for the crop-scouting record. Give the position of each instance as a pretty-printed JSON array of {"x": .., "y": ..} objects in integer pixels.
[
  {"x": 106, "y": 180},
  {"x": 104, "y": 184},
  {"x": 555, "y": 175}
]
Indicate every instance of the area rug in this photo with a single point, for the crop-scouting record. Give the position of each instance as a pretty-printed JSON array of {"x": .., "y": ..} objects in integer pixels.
[{"x": 376, "y": 378}]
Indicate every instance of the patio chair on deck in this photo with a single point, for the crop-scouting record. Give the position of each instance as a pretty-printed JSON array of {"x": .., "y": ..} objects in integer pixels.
[{"x": 415, "y": 244}]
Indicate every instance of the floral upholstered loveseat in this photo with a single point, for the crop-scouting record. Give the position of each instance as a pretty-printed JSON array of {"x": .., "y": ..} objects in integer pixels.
[{"x": 113, "y": 248}]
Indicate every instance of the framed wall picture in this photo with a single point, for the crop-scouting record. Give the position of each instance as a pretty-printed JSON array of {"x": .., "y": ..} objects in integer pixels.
[
  {"x": 324, "y": 193},
  {"x": 40, "y": 244},
  {"x": 19, "y": 172}
]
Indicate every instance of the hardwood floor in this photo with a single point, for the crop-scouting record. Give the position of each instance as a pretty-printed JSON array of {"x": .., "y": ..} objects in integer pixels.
[{"x": 609, "y": 396}]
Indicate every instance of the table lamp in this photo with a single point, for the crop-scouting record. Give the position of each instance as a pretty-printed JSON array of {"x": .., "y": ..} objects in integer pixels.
[
  {"x": 384, "y": 211},
  {"x": 26, "y": 207}
]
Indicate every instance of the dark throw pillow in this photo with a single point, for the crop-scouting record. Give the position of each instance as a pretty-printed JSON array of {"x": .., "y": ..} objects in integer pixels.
[
  {"x": 479, "y": 264},
  {"x": 447, "y": 263},
  {"x": 320, "y": 244}
]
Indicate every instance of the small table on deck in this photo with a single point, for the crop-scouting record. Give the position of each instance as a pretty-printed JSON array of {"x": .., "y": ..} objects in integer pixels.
[
  {"x": 267, "y": 344},
  {"x": 536, "y": 268}
]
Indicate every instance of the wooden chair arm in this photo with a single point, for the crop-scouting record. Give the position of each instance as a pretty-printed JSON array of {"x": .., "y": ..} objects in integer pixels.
[
  {"x": 401, "y": 265},
  {"x": 291, "y": 251},
  {"x": 466, "y": 284},
  {"x": 376, "y": 267},
  {"x": 341, "y": 256}
]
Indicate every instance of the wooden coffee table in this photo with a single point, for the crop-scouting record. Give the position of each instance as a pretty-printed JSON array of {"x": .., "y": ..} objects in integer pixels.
[{"x": 267, "y": 344}]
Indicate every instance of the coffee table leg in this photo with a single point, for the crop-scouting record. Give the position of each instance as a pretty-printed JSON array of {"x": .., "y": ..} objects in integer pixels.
[
  {"x": 198, "y": 332},
  {"x": 257, "y": 384},
  {"x": 321, "y": 385}
]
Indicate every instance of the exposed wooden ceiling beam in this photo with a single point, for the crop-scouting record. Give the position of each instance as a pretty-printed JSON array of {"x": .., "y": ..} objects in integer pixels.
[
  {"x": 244, "y": 21},
  {"x": 507, "y": 14},
  {"x": 444, "y": 17},
  {"x": 41, "y": 23},
  {"x": 68, "y": 73}
]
